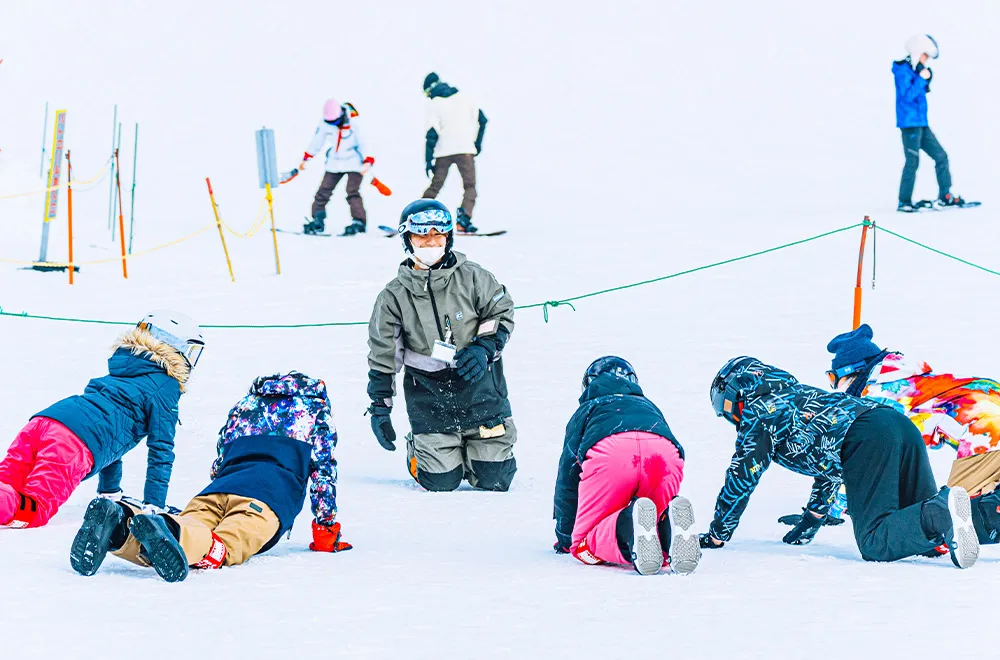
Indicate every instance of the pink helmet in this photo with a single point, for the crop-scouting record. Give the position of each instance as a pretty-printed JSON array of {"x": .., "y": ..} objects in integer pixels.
[{"x": 332, "y": 110}]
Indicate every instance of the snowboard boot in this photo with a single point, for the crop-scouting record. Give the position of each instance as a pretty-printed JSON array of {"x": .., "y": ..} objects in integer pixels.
[
  {"x": 465, "y": 225},
  {"x": 679, "y": 543},
  {"x": 159, "y": 547},
  {"x": 949, "y": 200},
  {"x": 103, "y": 529},
  {"x": 906, "y": 207},
  {"x": 948, "y": 516},
  {"x": 637, "y": 537},
  {"x": 986, "y": 517},
  {"x": 316, "y": 225},
  {"x": 356, "y": 227}
]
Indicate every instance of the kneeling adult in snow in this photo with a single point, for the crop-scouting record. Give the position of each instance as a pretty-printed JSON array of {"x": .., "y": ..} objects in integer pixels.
[
  {"x": 962, "y": 413},
  {"x": 345, "y": 156},
  {"x": 447, "y": 320},
  {"x": 835, "y": 438},
  {"x": 278, "y": 440},
  {"x": 619, "y": 474},
  {"x": 82, "y": 436}
]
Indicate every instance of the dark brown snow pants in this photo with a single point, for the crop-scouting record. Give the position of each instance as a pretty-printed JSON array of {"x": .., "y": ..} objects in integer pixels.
[
  {"x": 330, "y": 181},
  {"x": 466, "y": 169}
]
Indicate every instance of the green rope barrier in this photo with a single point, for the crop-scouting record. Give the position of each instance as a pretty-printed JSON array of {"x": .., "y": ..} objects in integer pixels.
[
  {"x": 568, "y": 302},
  {"x": 936, "y": 251}
]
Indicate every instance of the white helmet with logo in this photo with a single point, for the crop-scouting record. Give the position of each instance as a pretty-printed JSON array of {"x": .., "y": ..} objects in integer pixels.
[
  {"x": 176, "y": 330},
  {"x": 919, "y": 44}
]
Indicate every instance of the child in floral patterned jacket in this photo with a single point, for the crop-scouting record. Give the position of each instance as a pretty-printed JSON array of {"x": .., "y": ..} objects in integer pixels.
[{"x": 278, "y": 441}]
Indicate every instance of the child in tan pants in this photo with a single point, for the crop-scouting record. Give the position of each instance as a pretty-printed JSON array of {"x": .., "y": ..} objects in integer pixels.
[{"x": 277, "y": 444}]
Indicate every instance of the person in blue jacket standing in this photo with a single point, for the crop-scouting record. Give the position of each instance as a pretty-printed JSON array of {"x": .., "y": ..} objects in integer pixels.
[{"x": 913, "y": 80}]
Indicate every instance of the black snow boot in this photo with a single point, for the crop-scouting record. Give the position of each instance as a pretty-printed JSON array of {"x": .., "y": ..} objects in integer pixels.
[
  {"x": 103, "y": 529},
  {"x": 160, "y": 547},
  {"x": 947, "y": 517},
  {"x": 356, "y": 227},
  {"x": 465, "y": 223},
  {"x": 317, "y": 225},
  {"x": 637, "y": 537},
  {"x": 986, "y": 517},
  {"x": 949, "y": 200}
]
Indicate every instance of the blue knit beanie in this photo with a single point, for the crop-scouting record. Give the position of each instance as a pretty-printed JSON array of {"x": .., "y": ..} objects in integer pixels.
[{"x": 853, "y": 347}]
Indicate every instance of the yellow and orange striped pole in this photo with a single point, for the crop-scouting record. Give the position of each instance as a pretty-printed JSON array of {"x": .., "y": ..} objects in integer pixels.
[
  {"x": 861, "y": 265},
  {"x": 69, "y": 205},
  {"x": 274, "y": 230},
  {"x": 218, "y": 223},
  {"x": 121, "y": 220}
]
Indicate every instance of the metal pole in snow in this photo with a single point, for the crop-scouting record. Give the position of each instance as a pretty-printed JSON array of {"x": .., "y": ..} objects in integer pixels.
[
  {"x": 116, "y": 202},
  {"x": 45, "y": 134},
  {"x": 131, "y": 215},
  {"x": 111, "y": 192}
]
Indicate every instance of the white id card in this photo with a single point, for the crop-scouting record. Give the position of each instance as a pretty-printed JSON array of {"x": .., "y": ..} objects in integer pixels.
[{"x": 443, "y": 351}]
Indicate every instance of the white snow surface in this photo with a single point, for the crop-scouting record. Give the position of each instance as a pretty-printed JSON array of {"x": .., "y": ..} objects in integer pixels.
[{"x": 626, "y": 141}]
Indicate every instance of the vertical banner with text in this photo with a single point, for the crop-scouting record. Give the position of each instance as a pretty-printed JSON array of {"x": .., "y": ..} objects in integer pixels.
[{"x": 55, "y": 178}]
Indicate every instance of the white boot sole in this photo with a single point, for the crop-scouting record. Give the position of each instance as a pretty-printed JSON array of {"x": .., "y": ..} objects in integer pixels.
[
  {"x": 964, "y": 545},
  {"x": 647, "y": 553},
  {"x": 684, "y": 551}
]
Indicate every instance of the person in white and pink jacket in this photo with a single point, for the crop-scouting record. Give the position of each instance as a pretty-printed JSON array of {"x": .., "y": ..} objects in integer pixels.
[{"x": 338, "y": 137}]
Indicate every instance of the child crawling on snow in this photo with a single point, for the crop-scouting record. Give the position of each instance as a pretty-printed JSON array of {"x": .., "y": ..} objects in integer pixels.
[
  {"x": 620, "y": 470},
  {"x": 81, "y": 436},
  {"x": 278, "y": 440}
]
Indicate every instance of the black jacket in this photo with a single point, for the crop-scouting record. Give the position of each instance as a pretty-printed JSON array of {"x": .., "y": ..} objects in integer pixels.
[
  {"x": 797, "y": 426},
  {"x": 608, "y": 406}
]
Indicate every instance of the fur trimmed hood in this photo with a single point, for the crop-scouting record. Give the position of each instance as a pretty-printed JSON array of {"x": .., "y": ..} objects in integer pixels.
[{"x": 143, "y": 344}]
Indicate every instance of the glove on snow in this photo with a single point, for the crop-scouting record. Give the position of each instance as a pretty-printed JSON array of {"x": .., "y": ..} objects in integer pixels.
[
  {"x": 705, "y": 541},
  {"x": 793, "y": 519},
  {"x": 804, "y": 531},
  {"x": 326, "y": 538},
  {"x": 472, "y": 361},
  {"x": 382, "y": 426}
]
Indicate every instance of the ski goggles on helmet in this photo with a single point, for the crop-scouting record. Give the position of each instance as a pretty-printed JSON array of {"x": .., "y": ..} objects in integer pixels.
[
  {"x": 190, "y": 349},
  {"x": 835, "y": 375},
  {"x": 422, "y": 222}
]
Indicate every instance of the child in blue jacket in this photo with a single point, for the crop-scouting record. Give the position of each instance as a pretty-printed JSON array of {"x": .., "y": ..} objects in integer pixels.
[
  {"x": 278, "y": 441},
  {"x": 913, "y": 82},
  {"x": 82, "y": 436}
]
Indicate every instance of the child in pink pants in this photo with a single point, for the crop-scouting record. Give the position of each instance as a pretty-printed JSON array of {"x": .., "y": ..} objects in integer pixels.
[{"x": 621, "y": 469}]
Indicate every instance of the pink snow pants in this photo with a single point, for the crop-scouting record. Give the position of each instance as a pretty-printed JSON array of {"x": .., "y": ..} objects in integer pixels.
[
  {"x": 618, "y": 468},
  {"x": 46, "y": 463}
]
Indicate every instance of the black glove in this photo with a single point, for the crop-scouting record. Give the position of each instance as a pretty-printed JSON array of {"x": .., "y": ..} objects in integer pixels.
[
  {"x": 793, "y": 519},
  {"x": 382, "y": 426},
  {"x": 805, "y": 530},
  {"x": 429, "y": 168},
  {"x": 472, "y": 361},
  {"x": 705, "y": 541}
]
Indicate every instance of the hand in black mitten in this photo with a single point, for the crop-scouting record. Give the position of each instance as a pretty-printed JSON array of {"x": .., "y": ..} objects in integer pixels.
[
  {"x": 382, "y": 426},
  {"x": 707, "y": 542},
  {"x": 793, "y": 519},
  {"x": 805, "y": 530},
  {"x": 471, "y": 362}
]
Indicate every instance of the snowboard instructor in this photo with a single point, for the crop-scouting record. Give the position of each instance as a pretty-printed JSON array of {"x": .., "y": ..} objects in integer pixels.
[
  {"x": 446, "y": 320},
  {"x": 913, "y": 79}
]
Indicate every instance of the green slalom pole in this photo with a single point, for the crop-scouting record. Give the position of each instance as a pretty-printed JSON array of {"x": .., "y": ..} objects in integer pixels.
[{"x": 131, "y": 215}]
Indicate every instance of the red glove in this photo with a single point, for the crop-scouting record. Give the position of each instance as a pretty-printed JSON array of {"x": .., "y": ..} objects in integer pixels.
[
  {"x": 306, "y": 156},
  {"x": 326, "y": 538},
  {"x": 369, "y": 161}
]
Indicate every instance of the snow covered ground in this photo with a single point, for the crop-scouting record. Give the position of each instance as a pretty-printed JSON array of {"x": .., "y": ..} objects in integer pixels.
[{"x": 626, "y": 141}]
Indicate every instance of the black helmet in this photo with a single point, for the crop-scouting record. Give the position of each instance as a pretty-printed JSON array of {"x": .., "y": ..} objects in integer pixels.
[
  {"x": 609, "y": 364},
  {"x": 727, "y": 397},
  {"x": 421, "y": 216}
]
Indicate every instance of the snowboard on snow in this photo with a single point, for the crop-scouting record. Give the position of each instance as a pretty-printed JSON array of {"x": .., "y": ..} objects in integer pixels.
[
  {"x": 298, "y": 233},
  {"x": 925, "y": 205},
  {"x": 390, "y": 232}
]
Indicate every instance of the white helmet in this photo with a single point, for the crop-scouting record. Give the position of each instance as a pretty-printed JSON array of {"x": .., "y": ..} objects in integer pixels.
[
  {"x": 176, "y": 330},
  {"x": 919, "y": 44}
]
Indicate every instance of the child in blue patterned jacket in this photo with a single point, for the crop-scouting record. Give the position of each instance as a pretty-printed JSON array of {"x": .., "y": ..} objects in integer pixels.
[{"x": 277, "y": 443}]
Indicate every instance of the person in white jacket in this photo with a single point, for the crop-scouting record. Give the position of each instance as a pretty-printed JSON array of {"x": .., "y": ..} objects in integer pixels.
[
  {"x": 455, "y": 129},
  {"x": 339, "y": 136}
]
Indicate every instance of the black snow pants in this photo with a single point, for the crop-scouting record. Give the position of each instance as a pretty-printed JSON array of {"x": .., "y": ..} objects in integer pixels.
[
  {"x": 888, "y": 476},
  {"x": 330, "y": 181},
  {"x": 915, "y": 139}
]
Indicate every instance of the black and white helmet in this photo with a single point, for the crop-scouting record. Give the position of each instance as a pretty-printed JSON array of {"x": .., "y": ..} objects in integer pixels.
[{"x": 176, "y": 330}]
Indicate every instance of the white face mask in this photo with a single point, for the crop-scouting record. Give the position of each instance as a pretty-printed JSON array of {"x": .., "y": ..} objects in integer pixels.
[{"x": 428, "y": 256}]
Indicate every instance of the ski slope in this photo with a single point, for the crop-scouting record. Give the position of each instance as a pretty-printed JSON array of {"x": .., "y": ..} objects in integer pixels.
[{"x": 625, "y": 142}]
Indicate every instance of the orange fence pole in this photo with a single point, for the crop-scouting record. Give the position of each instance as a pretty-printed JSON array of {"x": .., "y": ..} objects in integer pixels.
[
  {"x": 121, "y": 220},
  {"x": 861, "y": 264},
  {"x": 69, "y": 203},
  {"x": 218, "y": 223}
]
